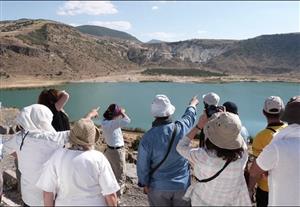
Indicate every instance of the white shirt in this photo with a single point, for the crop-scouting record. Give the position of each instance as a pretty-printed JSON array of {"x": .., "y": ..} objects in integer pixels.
[
  {"x": 228, "y": 189},
  {"x": 281, "y": 158},
  {"x": 36, "y": 150},
  {"x": 1, "y": 147},
  {"x": 112, "y": 131},
  {"x": 79, "y": 178},
  {"x": 245, "y": 134}
]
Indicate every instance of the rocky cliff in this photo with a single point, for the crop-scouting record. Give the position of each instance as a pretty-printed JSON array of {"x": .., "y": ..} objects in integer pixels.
[{"x": 44, "y": 48}]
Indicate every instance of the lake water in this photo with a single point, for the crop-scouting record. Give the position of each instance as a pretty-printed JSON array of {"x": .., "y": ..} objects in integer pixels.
[{"x": 137, "y": 97}]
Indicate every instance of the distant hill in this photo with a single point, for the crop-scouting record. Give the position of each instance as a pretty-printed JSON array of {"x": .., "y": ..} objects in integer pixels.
[
  {"x": 49, "y": 49},
  {"x": 105, "y": 32},
  {"x": 45, "y": 48},
  {"x": 154, "y": 41},
  {"x": 275, "y": 54}
]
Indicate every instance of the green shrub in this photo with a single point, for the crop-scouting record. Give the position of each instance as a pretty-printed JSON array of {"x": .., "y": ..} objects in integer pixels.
[
  {"x": 181, "y": 72},
  {"x": 37, "y": 37}
]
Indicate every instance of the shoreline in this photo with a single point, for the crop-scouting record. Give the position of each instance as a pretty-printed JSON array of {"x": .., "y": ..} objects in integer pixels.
[{"x": 23, "y": 82}]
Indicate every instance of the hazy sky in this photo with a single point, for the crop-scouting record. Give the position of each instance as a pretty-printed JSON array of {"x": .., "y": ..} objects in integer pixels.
[{"x": 167, "y": 20}]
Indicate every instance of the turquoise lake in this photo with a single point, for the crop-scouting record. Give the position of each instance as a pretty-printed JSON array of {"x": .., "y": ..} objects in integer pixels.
[{"x": 137, "y": 97}]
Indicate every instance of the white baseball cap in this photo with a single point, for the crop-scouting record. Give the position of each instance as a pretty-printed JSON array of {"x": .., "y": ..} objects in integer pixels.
[
  {"x": 211, "y": 98},
  {"x": 161, "y": 106},
  {"x": 273, "y": 105}
]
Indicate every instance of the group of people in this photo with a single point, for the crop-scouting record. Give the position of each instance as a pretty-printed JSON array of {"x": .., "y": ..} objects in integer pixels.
[
  {"x": 180, "y": 162},
  {"x": 59, "y": 165},
  {"x": 168, "y": 155}
]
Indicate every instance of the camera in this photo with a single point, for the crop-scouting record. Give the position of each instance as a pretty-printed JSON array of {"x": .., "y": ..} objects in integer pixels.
[{"x": 211, "y": 109}]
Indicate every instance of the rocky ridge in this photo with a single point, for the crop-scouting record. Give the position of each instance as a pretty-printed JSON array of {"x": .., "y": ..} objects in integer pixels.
[{"x": 51, "y": 50}]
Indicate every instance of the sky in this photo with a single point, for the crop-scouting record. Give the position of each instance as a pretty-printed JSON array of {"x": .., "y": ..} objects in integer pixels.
[{"x": 167, "y": 20}]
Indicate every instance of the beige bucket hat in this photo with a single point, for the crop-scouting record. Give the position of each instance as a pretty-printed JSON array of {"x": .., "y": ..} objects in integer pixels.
[
  {"x": 223, "y": 130},
  {"x": 84, "y": 133}
]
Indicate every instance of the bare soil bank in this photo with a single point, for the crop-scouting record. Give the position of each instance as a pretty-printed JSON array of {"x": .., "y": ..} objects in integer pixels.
[{"x": 23, "y": 81}]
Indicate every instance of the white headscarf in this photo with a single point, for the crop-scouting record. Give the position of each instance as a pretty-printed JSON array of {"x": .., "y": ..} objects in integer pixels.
[{"x": 36, "y": 117}]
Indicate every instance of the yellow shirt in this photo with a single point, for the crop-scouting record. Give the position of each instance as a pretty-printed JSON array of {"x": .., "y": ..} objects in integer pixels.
[{"x": 262, "y": 139}]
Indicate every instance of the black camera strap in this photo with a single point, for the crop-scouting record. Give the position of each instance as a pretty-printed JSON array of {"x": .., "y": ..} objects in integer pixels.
[
  {"x": 169, "y": 149},
  {"x": 215, "y": 175}
]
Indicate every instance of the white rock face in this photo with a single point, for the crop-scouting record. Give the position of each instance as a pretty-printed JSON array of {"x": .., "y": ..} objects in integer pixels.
[{"x": 194, "y": 51}]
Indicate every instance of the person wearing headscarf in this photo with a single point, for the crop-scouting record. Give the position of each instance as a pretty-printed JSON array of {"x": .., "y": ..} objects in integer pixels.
[
  {"x": 115, "y": 118},
  {"x": 219, "y": 165},
  {"x": 79, "y": 175},
  {"x": 34, "y": 145}
]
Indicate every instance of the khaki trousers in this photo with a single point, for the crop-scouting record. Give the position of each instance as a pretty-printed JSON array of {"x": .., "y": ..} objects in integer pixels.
[{"x": 116, "y": 158}]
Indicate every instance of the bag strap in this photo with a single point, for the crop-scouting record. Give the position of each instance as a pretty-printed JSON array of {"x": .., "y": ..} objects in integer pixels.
[
  {"x": 215, "y": 175},
  {"x": 23, "y": 138},
  {"x": 169, "y": 149},
  {"x": 273, "y": 130}
]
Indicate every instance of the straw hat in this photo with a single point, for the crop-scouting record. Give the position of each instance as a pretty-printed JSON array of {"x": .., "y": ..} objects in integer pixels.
[
  {"x": 84, "y": 132},
  {"x": 223, "y": 130}
]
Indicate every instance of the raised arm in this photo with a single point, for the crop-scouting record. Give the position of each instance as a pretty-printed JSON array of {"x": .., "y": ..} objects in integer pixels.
[
  {"x": 62, "y": 100},
  {"x": 184, "y": 148},
  {"x": 122, "y": 121},
  {"x": 92, "y": 114},
  {"x": 189, "y": 117}
]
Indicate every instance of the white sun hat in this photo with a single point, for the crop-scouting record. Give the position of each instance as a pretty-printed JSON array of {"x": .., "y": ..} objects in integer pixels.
[
  {"x": 211, "y": 99},
  {"x": 161, "y": 106}
]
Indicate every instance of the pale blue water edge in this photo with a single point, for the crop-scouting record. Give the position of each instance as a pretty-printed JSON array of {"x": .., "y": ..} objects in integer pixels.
[{"x": 137, "y": 97}]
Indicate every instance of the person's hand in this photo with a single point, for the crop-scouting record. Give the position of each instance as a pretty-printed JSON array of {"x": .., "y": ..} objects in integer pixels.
[
  {"x": 194, "y": 102},
  {"x": 123, "y": 110},
  {"x": 202, "y": 120},
  {"x": 146, "y": 189},
  {"x": 221, "y": 108},
  {"x": 93, "y": 113}
]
